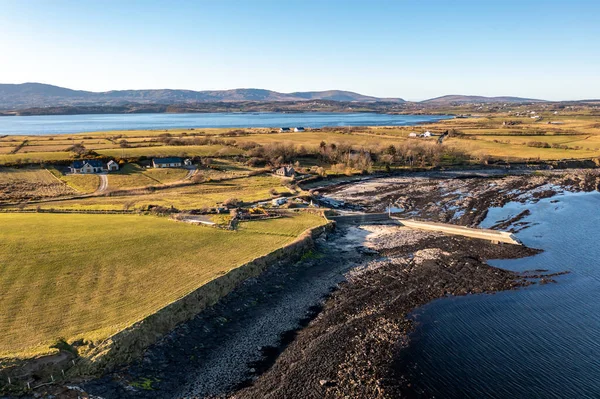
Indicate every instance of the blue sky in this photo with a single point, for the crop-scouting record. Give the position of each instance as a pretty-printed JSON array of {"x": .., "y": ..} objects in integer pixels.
[{"x": 414, "y": 49}]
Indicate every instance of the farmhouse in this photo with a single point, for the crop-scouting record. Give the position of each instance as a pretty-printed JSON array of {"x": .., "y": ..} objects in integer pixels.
[
  {"x": 285, "y": 171},
  {"x": 92, "y": 166},
  {"x": 171, "y": 162},
  {"x": 299, "y": 129},
  {"x": 112, "y": 166},
  {"x": 284, "y": 129},
  {"x": 427, "y": 134}
]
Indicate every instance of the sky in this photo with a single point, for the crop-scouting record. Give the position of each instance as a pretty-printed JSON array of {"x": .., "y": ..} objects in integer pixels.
[{"x": 413, "y": 49}]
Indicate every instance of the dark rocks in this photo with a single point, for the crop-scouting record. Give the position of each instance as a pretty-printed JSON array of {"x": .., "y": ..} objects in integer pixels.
[{"x": 349, "y": 349}]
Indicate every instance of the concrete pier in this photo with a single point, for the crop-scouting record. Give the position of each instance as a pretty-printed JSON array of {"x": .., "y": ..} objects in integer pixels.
[{"x": 494, "y": 236}]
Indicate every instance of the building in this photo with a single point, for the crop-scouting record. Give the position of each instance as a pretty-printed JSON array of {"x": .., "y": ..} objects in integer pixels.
[
  {"x": 171, "y": 162},
  {"x": 284, "y": 129},
  {"x": 86, "y": 166},
  {"x": 412, "y": 134},
  {"x": 427, "y": 134},
  {"x": 187, "y": 162},
  {"x": 112, "y": 166},
  {"x": 278, "y": 201},
  {"x": 285, "y": 171},
  {"x": 299, "y": 129}
]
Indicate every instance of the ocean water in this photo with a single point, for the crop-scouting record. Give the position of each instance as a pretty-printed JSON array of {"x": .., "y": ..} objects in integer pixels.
[
  {"x": 538, "y": 342},
  {"x": 57, "y": 124}
]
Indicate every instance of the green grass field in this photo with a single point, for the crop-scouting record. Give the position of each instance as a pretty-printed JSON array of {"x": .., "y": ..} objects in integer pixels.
[
  {"x": 133, "y": 176},
  {"x": 166, "y": 151},
  {"x": 89, "y": 276},
  {"x": 84, "y": 184},
  {"x": 208, "y": 194}
]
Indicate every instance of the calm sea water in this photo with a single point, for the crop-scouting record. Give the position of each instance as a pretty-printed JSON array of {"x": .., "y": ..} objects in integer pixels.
[
  {"x": 538, "y": 342},
  {"x": 56, "y": 124}
]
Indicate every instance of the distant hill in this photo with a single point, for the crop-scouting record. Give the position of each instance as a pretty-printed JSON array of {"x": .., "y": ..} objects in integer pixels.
[
  {"x": 458, "y": 99},
  {"x": 31, "y": 95}
]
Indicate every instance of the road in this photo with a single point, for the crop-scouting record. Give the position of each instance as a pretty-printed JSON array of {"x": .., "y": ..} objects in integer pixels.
[{"x": 103, "y": 184}]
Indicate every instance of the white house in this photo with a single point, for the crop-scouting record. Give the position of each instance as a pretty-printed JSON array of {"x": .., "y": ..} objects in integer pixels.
[
  {"x": 112, "y": 166},
  {"x": 284, "y": 129},
  {"x": 299, "y": 129},
  {"x": 412, "y": 134},
  {"x": 171, "y": 162},
  {"x": 286, "y": 171},
  {"x": 86, "y": 166},
  {"x": 427, "y": 134}
]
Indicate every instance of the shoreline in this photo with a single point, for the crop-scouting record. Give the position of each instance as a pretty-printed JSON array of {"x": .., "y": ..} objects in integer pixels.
[
  {"x": 348, "y": 349},
  {"x": 436, "y": 254},
  {"x": 247, "y": 124}
]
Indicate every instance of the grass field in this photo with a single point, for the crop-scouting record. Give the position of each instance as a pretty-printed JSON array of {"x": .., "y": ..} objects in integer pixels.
[
  {"x": 197, "y": 196},
  {"x": 89, "y": 276},
  {"x": 132, "y": 176},
  {"x": 35, "y": 157},
  {"x": 165, "y": 151},
  {"x": 83, "y": 184},
  {"x": 29, "y": 175},
  {"x": 30, "y": 183}
]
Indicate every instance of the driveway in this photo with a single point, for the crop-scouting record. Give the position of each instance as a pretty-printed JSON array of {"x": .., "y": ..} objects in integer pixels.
[{"x": 103, "y": 184}]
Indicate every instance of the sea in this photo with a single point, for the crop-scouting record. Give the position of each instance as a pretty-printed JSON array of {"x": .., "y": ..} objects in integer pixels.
[
  {"x": 62, "y": 124},
  {"x": 542, "y": 341}
]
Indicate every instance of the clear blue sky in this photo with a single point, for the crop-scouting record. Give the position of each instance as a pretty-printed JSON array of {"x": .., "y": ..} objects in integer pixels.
[{"x": 414, "y": 49}]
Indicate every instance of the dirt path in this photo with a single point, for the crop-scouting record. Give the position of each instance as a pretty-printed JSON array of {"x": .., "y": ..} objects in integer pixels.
[
  {"x": 103, "y": 184},
  {"x": 189, "y": 174}
]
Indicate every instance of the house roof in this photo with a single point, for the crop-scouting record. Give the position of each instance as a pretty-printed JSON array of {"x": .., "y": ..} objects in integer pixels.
[
  {"x": 167, "y": 160},
  {"x": 287, "y": 169},
  {"x": 94, "y": 163},
  {"x": 285, "y": 128}
]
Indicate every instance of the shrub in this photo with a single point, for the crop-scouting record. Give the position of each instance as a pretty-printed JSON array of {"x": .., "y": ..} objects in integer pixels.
[{"x": 231, "y": 202}]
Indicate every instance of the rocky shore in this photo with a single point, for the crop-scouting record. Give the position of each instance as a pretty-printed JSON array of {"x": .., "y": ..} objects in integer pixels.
[
  {"x": 461, "y": 198},
  {"x": 348, "y": 351}
]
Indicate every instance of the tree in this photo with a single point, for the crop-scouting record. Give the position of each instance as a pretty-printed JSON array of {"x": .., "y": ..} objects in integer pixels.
[{"x": 78, "y": 149}]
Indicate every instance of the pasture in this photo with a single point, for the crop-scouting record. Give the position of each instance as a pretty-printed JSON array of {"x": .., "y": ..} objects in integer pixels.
[
  {"x": 30, "y": 183},
  {"x": 133, "y": 176},
  {"x": 194, "y": 196},
  {"x": 89, "y": 276}
]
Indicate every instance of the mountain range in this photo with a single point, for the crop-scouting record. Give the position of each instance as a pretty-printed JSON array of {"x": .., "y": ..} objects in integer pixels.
[
  {"x": 460, "y": 99},
  {"x": 39, "y": 95},
  {"x": 28, "y": 95}
]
